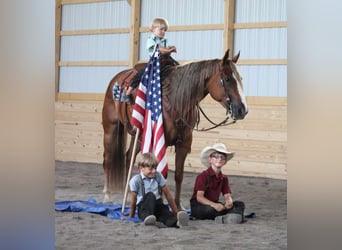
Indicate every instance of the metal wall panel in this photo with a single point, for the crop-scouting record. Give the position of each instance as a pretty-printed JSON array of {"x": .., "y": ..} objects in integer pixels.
[
  {"x": 264, "y": 80},
  {"x": 191, "y": 45},
  {"x": 101, "y": 47},
  {"x": 114, "y": 14},
  {"x": 86, "y": 79},
  {"x": 105, "y": 47},
  {"x": 183, "y": 12},
  {"x": 254, "y": 11},
  {"x": 262, "y": 43},
  {"x": 270, "y": 43}
]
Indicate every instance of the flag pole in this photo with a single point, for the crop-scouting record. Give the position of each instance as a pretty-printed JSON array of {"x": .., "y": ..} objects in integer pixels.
[{"x": 130, "y": 170}]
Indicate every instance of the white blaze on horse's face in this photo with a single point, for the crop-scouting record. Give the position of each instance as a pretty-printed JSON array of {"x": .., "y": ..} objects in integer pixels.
[{"x": 238, "y": 79}]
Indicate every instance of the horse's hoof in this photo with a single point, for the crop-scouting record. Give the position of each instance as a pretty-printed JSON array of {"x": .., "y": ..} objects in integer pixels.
[
  {"x": 106, "y": 199},
  {"x": 180, "y": 207}
]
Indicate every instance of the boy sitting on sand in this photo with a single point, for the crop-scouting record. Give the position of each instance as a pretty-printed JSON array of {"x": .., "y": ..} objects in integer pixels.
[
  {"x": 146, "y": 190},
  {"x": 210, "y": 184}
]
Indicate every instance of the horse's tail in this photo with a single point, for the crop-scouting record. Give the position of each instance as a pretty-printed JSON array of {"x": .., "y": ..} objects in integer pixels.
[
  {"x": 118, "y": 171},
  {"x": 114, "y": 142}
]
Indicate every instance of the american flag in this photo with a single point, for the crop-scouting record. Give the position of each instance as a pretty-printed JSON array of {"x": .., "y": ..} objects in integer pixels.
[{"x": 147, "y": 112}]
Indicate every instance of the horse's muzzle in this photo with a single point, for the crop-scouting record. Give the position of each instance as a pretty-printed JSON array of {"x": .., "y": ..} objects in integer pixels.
[{"x": 237, "y": 111}]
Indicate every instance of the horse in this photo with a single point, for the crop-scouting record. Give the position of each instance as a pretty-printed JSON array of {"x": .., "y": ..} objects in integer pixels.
[{"x": 183, "y": 88}]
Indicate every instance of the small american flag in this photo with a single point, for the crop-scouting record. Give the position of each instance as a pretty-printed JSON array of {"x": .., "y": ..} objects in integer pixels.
[{"x": 147, "y": 112}]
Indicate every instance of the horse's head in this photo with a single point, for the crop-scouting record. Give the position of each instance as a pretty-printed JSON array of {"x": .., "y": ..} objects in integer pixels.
[{"x": 227, "y": 88}]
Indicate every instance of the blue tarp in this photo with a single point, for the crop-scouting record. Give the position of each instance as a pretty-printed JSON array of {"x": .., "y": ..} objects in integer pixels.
[{"x": 109, "y": 210}]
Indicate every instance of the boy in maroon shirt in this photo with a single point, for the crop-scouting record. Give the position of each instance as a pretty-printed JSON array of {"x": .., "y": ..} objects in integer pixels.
[{"x": 205, "y": 201}]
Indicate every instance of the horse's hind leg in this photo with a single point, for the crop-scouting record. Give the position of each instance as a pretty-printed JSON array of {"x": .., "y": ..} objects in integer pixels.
[{"x": 108, "y": 143}]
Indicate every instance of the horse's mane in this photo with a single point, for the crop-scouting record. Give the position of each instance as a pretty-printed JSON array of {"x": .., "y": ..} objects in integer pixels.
[{"x": 185, "y": 85}]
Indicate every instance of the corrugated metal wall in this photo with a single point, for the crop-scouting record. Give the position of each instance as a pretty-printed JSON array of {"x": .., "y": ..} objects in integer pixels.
[
  {"x": 262, "y": 43},
  {"x": 183, "y": 12},
  {"x": 191, "y": 45},
  {"x": 258, "y": 43},
  {"x": 96, "y": 15},
  {"x": 199, "y": 44},
  {"x": 94, "y": 47}
]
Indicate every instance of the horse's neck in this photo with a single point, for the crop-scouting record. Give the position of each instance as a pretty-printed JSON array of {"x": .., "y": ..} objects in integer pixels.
[
  {"x": 186, "y": 86},
  {"x": 181, "y": 108}
]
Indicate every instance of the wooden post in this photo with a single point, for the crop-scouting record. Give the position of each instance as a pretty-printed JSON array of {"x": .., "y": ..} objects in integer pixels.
[
  {"x": 58, "y": 13},
  {"x": 134, "y": 32},
  {"x": 228, "y": 26}
]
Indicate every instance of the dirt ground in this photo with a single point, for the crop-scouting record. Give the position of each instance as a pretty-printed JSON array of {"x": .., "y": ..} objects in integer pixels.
[{"x": 78, "y": 230}]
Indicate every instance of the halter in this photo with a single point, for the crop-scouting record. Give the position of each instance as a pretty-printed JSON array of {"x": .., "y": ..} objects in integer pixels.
[{"x": 229, "y": 103}]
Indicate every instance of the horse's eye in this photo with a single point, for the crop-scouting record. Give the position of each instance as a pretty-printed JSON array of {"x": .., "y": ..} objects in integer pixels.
[{"x": 228, "y": 79}]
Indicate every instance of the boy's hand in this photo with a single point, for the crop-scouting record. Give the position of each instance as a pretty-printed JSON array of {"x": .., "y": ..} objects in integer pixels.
[
  {"x": 218, "y": 207},
  {"x": 173, "y": 49},
  {"x": 229, "y": 203}
]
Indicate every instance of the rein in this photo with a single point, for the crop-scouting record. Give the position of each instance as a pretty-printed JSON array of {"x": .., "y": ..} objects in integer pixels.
[{"x": 222, "y": 123}]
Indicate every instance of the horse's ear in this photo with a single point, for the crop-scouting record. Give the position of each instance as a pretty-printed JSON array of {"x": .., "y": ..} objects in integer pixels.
[
  {"x": 236, "y": 57},
  {"x": 225, "y": 58}
]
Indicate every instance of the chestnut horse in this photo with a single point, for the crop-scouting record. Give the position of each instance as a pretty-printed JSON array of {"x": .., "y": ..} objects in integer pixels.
[{"x": 183, "y": 87}]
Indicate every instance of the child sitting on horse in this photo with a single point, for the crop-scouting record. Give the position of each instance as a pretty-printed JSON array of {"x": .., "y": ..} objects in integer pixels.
[
  {"x": 158, "y": 27},
  {"x": 147, "y": 188}
]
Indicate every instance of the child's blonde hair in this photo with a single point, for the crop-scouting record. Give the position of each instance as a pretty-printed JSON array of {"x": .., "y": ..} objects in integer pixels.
[
  {"x": 148, "y": 160},
  {"x": 159, "y": 22}
]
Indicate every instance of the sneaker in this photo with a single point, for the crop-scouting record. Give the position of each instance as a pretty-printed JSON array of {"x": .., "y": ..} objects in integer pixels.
[
  {"x": 219, "y": 219},
  {"x": 228, "y": 219},
  {"x": 150, "y": 220},
  {"x": 182, "y": 219},
  {"x": 232, "y": 219}
]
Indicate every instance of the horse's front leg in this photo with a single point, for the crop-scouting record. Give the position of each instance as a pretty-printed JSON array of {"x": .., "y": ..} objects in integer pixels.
[{"x": 182, "y": 150}]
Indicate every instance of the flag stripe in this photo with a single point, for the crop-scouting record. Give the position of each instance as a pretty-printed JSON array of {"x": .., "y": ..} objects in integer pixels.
[{"x": 147, "y": 112}]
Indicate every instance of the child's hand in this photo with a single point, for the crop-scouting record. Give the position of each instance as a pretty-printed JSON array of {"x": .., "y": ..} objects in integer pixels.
[
  {"x": 173, "y": 49},
  {"x": 229, "y": 203},
  {"x": 218, "y": 207}
]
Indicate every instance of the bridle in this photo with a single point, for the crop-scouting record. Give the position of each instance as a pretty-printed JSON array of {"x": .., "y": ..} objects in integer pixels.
[
  {"x": 229, "y": 103},
  {"x": 224, "y": 122}
]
